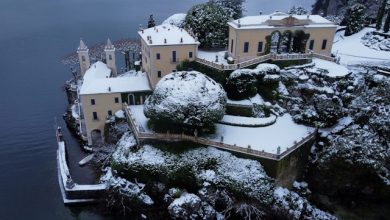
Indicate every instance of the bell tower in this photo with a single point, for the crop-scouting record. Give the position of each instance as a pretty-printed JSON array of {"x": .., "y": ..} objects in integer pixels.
[
  {"x": 110, "y": 57},
  {"x": 84, "y": 61}
]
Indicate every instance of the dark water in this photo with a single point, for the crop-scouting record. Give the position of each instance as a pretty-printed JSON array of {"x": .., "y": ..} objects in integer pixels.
[{"x": 34, "y": 35}]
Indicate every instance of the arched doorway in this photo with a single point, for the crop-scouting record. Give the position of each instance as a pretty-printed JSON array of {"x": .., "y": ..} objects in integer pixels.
[
  {"x": 131, "y": 99},
  {"x": 97, "y": 138},
  {"x": 286, "y": 42},
  {"x": 275, "y": 41}
]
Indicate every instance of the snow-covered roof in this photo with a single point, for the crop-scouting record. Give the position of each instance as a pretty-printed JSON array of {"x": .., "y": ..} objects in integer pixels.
[
  {"x": 278, "y": 19},
  {"x": 97, "y": 80},
  {"x": 166, "y": 34}
]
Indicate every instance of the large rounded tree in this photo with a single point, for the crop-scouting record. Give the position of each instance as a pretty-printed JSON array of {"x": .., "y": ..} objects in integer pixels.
[
  {"x": 208, "y": 22},
  {"x": 186, "y": 98}
]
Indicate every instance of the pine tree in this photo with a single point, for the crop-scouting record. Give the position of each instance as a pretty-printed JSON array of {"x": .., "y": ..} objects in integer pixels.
[
  {"x": 208, "y": 22},
  {"x": 151, "y": 22},
  {"x": 386, "y": 27},
  {"x": 355, "y": 17},
  {"x": 381, "y": 13},
  {"x": 300, "y": 10},
  {"x": 233, "y": 7}
]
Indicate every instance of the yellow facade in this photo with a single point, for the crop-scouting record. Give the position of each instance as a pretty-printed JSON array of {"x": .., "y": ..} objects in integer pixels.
[
  {"x": 157, "y": 66},
  {"x": 238, "y": 37},
  {"x": 103, "y": 103}
]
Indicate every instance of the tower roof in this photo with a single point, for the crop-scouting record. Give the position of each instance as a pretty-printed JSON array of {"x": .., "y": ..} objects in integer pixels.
[
  {"x": 82, "y": 45},
  {"x": 109, "y": 45}
]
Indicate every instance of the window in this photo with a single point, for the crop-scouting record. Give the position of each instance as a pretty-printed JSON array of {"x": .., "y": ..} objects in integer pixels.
[
  {"x": 246, "y": 47},
  {"x": 174, "y": 56},
  {"x": 92, "y": 101},
  {"x": 260, "y": 47},
  {"x": 110, "y": 57},
  {"x": 190, "y": 54},
  {"x": 324, "y": 44},
  {"x": 311, "y": 46},
  {"x": 159, "y": 74},
  {"x": 116, "y": 100},
  {"x": 95, "y": 117},
  {"x": 83, "y": 58},
  {"x": 109, "y": 112},
  {"x": 231, "y": 46},
  {"x": 158, "y": 56}
]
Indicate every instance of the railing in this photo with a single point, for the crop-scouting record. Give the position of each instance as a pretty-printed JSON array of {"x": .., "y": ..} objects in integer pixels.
[
  {"x": 71, "y": 191},
  {"x": 216, "y": 65},
  {"x": 324, "y": 57},
  {"x": 305, "y": 140},
  {"x": 260, "y": 59},
  {"x": 183, "y": 137},
  {"x": 131, "y": 121},
  {"x": 292, "y": 56}
]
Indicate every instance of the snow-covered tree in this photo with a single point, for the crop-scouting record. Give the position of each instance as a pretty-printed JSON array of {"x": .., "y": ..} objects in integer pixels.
[
  {"x": 355, "y": 19},
  {"x": 386, "y": 26},
  {"x": 208, "y": 22},
  {"x": 329, "y": 109},
  {"x": 241, "y": 84},
  {"x": 234, "y": 8},
  {"x": 151, "y": 22},
  {"x": 297, "y": 10},
  {"x": 186, "y": 98},
  {"x": 381, "y": 13}
]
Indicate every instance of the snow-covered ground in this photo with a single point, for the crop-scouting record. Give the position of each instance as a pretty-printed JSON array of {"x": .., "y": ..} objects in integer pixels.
[
  {"x": 138, "y": 113},
  {"x": 248, "y": 121},
  {"x": 283, "y": 133},
  {"x": 211, "y": 56},
  {"x": 334, "y": 69},
  {"x": 352, "y": 51},
  {"x": 257, "y": 99}
]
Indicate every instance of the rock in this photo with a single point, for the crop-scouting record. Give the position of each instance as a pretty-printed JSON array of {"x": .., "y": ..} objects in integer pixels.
[{"x": 190, "y": 206}]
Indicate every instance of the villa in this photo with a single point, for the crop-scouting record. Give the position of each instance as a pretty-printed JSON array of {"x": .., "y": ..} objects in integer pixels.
[
  {"x": 102, "y": 91},
  {"x": 252, "y": 40},
  {"x": 253, "y": 36}
]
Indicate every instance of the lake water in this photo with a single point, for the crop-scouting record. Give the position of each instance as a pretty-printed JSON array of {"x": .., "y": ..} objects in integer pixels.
[{"x": 34, "y": 35}]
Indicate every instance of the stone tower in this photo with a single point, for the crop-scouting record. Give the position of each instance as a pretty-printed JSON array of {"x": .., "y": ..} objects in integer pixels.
[
  {"x": 110, "y": 57},
  {"x": 83, "y": 53}
]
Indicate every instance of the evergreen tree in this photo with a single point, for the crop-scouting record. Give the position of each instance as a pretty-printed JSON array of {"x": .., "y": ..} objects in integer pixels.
[
  {"x": 151, "y": 22},
  {"x": 355, "y": 18},
  {"x": 208, "y": 22},
  {"x": 297, "y": 10},
  {"x": 381, "y": 12},
  {"x": 386, "y": 27},
  {"x": 233, "y": 7}
]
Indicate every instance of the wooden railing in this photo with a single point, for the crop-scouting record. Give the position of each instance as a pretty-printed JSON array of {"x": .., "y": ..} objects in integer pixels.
[{"x": 203, "y": 141}]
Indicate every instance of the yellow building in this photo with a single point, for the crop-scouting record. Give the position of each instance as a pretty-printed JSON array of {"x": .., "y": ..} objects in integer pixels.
[
  {"x": 163, "y": 47},
  {"x": 253, "y": 36},
  {"x": 102, "y": 93}
]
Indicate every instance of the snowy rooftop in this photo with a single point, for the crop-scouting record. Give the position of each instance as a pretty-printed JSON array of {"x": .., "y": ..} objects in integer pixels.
[
  {"x": 97, "y": 80},
  {"x": 166, "y": 34},
  {"x": 280, "y": 19}
]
